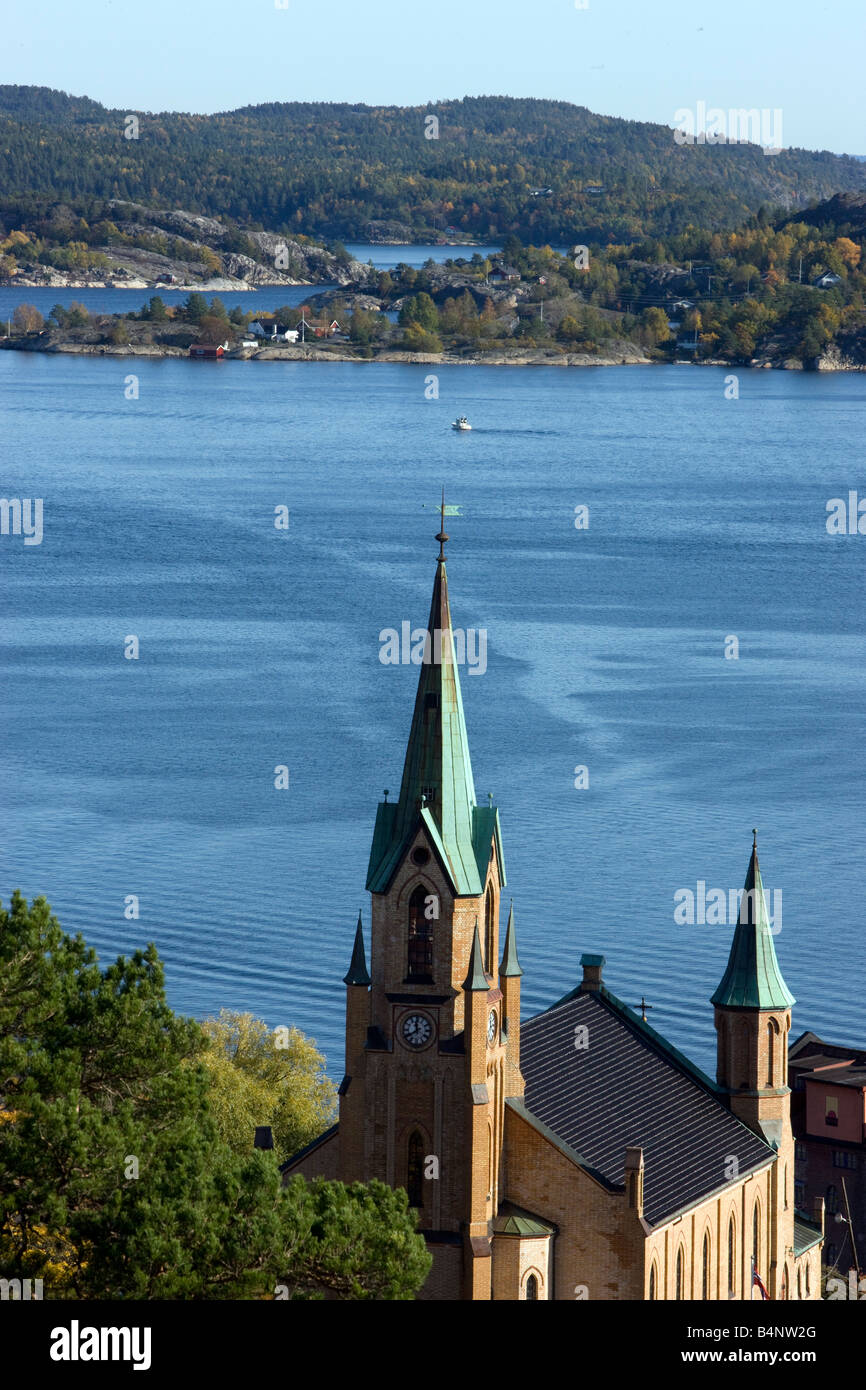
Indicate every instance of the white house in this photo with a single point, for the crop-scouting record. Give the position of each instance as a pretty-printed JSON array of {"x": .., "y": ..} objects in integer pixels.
[{"x": 272, "y": 330}]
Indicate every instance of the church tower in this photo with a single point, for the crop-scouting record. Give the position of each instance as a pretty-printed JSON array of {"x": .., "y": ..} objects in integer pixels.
[
  {"x": 432, "y": 1033},
  {"x": 753, "y": 1020}
]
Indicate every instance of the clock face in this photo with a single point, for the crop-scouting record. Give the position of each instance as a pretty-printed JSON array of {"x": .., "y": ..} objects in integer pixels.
[
  {"x": 491, "y": 1026},
  {"x": 417, "y": 1030}
]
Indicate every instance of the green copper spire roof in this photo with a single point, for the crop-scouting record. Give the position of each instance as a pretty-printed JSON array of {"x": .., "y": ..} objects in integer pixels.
[
  {"x": 357, "y": 974},
  {"x": 437, "y": 789},
  {"x": 510, "y": 964},
  {"x": 753, "y": 979},
  {"x": 476, "y": 979}
]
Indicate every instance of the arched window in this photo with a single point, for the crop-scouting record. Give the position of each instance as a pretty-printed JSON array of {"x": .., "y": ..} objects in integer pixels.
[
  {"x": 420, "y": 936},
  {"x": 756, "y": 1235},
  {"x": 679, "y": 1293},
  {"x": 744, "y": 1050},
  {"x": 490, "y": 1160},
  {"x": 785, "y": 1186},
  {"x": 532, "y": 1288},
  {"x": 772, "y": 1047},
  {"x": 652, "y": 1287},
  {"x": 808, "y": 1289},
  {"x": 799, "y": 1285},
  {"x": 732, "y": 1258},
  {"x": 705, "y": 1267},
  {"x": 489, "y": 931},
  {"x": 415, "y": 1170}
]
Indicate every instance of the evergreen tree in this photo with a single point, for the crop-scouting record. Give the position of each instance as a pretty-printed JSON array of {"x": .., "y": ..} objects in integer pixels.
[{"x": 114, "y": 1182}]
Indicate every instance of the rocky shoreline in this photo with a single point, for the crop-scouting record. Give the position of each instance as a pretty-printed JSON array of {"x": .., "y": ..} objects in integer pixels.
[{"x": 831, "y": 361}]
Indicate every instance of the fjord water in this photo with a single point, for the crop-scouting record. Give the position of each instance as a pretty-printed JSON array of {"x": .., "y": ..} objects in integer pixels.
[{"x": 606, "y": 648}]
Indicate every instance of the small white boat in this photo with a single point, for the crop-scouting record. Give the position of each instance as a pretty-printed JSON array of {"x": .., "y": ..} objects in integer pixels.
[{"x": 461, "y": 423}]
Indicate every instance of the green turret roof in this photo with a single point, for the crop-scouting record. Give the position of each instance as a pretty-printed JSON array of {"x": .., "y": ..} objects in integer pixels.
[
  {"x": 476, "y": 979},
  {"x": 357, "y": 974},
  {"x": 437, "y": 789},
  {"x": 510, "y": 964},
  {"x": 753, "y": 979}
]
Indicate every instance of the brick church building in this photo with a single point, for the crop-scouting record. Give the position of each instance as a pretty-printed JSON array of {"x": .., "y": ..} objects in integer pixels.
[{"x": 576, "y": 1154}]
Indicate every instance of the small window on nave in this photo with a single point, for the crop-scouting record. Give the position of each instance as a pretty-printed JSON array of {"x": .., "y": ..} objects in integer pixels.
[{"x": 532, "y": 1288}]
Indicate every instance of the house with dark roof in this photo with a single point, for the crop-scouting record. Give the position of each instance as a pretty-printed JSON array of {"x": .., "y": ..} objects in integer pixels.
[
  {"x": 502, "y": 274},
  {"x": 828, "y": 1117},
  {"x": 576, "y": 1154}
]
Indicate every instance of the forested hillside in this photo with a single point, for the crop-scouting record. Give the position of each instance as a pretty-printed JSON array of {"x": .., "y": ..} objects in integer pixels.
[{"x": 545, "y": 171}]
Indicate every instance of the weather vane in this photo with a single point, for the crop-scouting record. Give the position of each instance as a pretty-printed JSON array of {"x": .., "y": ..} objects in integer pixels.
[{"x": 444, "y": 509}]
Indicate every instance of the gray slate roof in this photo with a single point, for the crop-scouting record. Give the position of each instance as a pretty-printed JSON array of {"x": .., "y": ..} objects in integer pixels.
[
  {"x": 806, "y": 1234},
  {"x": 630, "y": 1087}
]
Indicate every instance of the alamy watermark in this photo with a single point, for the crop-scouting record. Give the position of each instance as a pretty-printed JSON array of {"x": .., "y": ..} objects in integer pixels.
[
  {"x": 22, "y": 516},
  {"x": 846, "y": 518},
  {"x": 717, "y": 908},
  {"x": 412, "y": 646},
  {"x": 737, "y": 126}
]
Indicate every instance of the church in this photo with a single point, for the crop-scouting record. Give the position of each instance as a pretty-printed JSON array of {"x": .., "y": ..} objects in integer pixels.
[{"x": 577, "y": 1154}]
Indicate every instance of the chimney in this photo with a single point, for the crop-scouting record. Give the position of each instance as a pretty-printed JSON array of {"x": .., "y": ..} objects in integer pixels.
[
  {"x": 264, "y": 1137},
  {"x": 818, "y": 1212},
  {"x": 592, "y": 968}
]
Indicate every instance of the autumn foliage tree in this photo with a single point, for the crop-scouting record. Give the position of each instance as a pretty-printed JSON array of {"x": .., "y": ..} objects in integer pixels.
[{"x": 265, "y": 1076}]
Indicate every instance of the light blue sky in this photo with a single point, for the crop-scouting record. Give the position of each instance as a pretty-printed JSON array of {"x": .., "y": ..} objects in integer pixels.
[{"x": 639, "y": 58}]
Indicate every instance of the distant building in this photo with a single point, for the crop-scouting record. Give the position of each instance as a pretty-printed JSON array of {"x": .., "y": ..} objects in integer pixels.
[
  {"x": 541, "y": 192},
  {"x": 828, "y": 280},
  {"x": 500, "y": 273},
  {"x": 270, "y": 329},
  {"x": 207, "y": 349},
  {"x": 828, "y": 1117}
]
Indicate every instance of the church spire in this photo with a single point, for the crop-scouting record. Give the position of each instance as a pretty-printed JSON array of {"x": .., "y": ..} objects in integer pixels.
[
  {"x": 357, "y": 973},
  {"x": 753, "y": 979},
  {"x": 437, "y": 787}
]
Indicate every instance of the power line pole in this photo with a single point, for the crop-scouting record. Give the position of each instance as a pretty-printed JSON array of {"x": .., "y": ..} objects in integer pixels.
[{"x": 851, "y": 1231}]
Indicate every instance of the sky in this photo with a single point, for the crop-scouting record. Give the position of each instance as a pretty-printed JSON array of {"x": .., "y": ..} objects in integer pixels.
[{"x": 643, "y": 59}]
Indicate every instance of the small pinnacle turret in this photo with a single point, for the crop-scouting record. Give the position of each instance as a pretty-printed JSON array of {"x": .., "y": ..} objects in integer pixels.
[
  {"x": 357, "y": 973},
  {"x": 510, "y": 964},
  {"x": 476, "y": 978}
]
